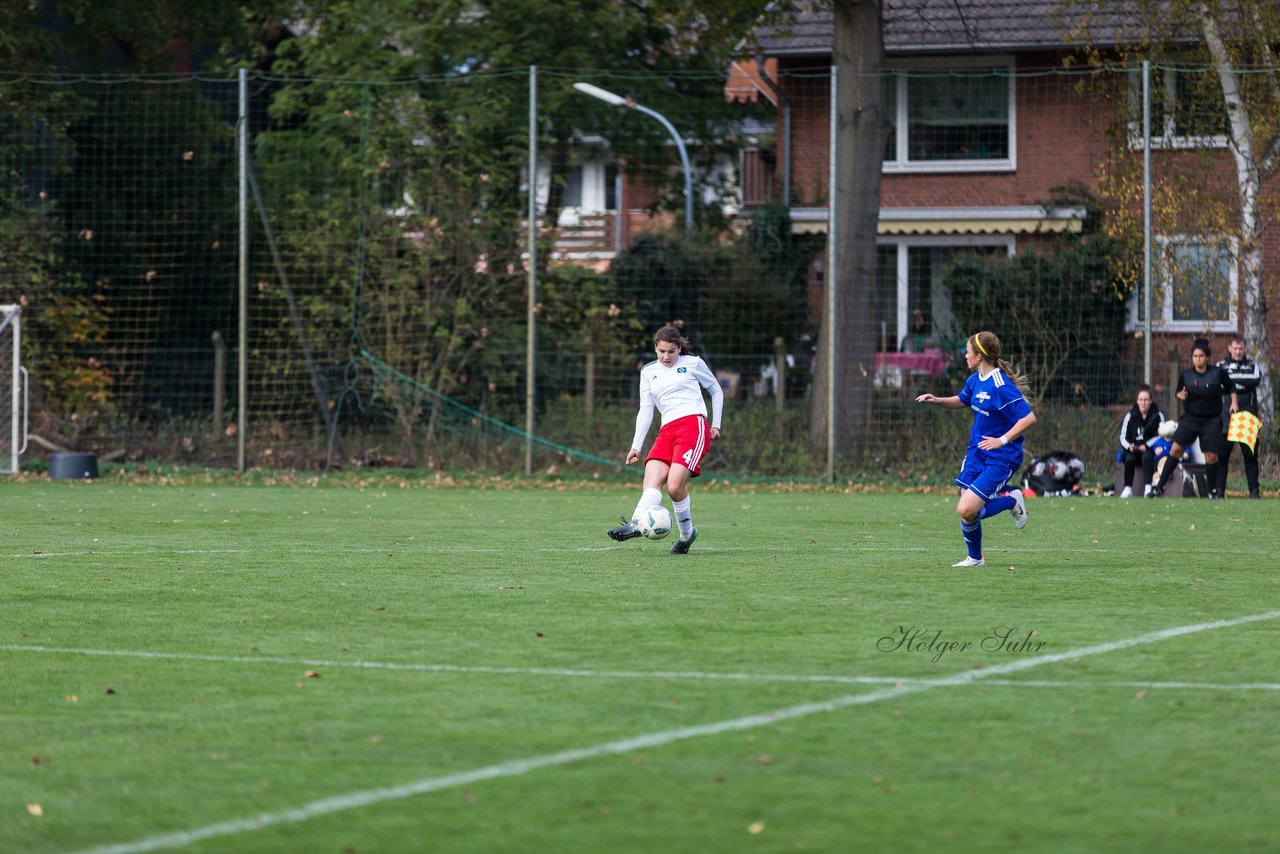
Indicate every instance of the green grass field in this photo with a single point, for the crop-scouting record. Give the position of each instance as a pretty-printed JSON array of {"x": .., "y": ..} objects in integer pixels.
[{"x": 276, "y": 668}]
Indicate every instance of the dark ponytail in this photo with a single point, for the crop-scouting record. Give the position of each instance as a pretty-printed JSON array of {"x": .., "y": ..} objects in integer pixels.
[{"x": 671, "y": 335}]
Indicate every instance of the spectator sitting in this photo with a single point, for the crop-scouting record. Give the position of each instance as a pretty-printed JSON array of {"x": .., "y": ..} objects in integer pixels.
[
  {"x": 919, "y": 338},
  {"x": 1139, "y": 429}
]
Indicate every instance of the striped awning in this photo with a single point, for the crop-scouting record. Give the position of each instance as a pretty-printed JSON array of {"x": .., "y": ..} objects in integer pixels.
[{"x": 1027, "y": 219}]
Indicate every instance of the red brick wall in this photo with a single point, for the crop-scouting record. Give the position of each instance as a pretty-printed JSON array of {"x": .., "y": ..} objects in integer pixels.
[
  {"x": 1061, "y": 137},
  {"x": 1058, "y": 139}
]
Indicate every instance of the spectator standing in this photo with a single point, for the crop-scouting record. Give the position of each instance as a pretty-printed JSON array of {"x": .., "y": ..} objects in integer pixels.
[
  {"x": 1244, "y": 375},
  {"x": 1200, "y": 388}
]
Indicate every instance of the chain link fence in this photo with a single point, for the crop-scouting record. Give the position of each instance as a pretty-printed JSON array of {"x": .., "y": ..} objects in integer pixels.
[{"x": 386, "y": 277}]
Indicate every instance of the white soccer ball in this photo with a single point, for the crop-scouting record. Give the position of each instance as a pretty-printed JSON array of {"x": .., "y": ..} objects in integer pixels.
[
  {"x": 1167, "y": 429},
  {"x": 655, "y": 522}
]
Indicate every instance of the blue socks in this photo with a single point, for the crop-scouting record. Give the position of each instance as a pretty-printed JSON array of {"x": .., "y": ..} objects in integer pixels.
[
  {"x": 973, "y": 533},
  {"x": 999, "y": 504},
  {"x": 973, "y": 538}
]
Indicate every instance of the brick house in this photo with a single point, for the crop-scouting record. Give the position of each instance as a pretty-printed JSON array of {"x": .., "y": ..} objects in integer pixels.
[{"x": 989, "y": 125}]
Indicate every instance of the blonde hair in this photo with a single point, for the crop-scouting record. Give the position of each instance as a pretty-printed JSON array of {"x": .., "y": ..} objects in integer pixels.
[{"x": 987, "y": 345}]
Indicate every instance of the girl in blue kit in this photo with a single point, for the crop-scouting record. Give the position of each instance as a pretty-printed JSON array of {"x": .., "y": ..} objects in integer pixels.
[{"x": 1001, "y": 415}]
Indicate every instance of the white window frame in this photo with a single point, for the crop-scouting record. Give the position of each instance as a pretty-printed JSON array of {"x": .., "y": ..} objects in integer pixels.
[
  {"x": 957, "y": 241},
  {"x": 593, "y": 191},
  {"x": 1165, "y": 137},
  {"x": 903, "y": 164},
  {"x": 1162, "y": 318}
]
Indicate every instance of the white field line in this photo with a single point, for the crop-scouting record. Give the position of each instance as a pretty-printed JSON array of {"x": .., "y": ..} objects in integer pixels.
[
  {"x": 427, "y": 548},
  {"x": 515, "y": 767},
  {"x": 696, "y": 675},
  {"x": 1103, "y": 683}
]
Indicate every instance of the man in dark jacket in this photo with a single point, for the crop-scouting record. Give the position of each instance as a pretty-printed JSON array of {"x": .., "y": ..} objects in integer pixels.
[{"x": 1244, "y": 376}]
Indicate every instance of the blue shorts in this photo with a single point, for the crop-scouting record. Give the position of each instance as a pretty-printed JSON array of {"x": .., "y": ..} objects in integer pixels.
[{"x": 986, "y": 478}]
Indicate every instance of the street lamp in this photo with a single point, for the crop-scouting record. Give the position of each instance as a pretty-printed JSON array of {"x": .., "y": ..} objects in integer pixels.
[{"x": 619, "y": 101}]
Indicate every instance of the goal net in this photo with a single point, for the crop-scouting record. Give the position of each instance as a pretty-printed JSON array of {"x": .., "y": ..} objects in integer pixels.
[{"x": 13, "y": 438}]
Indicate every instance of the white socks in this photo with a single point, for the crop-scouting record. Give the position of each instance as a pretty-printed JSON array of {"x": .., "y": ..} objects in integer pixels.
[
  {"x": 684, "y": 519},
  {"x": 648, "y": 498}
]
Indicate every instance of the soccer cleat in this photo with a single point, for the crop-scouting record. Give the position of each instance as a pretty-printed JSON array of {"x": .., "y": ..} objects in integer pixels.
[
  {"x": 1147, "y": 492},
  {"x": 1157, "y": 491},
  {"x": 971, "y": 561},
  {"x": 1019, "y": 509},
  {"x": 626, "y": 531},
  {"x": 682, "y": 546},
  {"x": 1127, "y": 492},
  {"x": 1215, "y": 495},
  {"x": 1253, "y": 493}
]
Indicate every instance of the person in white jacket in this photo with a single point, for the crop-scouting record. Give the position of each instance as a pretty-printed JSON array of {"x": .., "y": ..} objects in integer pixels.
[{"x": 673, "y": 384}]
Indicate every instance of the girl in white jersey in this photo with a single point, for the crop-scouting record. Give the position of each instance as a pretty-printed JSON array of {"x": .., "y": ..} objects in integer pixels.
[{"x": 673, "y": 384}]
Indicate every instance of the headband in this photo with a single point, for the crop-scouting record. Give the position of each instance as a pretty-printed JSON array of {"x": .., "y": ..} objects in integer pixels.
[{"x": 978, "y": 344}]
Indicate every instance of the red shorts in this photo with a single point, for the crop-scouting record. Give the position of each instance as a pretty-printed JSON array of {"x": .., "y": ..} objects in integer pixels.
[{"x": 683, "y": 441}]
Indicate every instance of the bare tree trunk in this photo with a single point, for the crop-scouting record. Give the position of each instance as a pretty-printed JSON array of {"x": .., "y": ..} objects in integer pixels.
[
  {"x": 1249, "y": 177},
  {"x": 858, "y": 47}
]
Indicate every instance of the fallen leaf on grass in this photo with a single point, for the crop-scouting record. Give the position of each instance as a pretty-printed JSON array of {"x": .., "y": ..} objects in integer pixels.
[
  {"x": 755, "y": 827},
  {"x": 35, "y": 809},
  {"x": 312, "y": 674},
  {"x": 39, "y": 760},
  {"x": 1140, "y": 695}
]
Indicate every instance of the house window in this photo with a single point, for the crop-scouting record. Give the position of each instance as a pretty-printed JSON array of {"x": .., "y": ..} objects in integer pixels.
[
  {"x": 573, "y": 180},
  {"x": 611, "y": 187},
  {"x": 1196, "y": 287},
  {"x": 1187, "y": 108},
  {"x": 586, "y": 191},
  {"x": 951, "y": 121},
  {"x": 911, "y": 301}
]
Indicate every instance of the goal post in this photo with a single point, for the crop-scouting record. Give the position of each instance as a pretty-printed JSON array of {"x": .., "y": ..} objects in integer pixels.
[{"x": 13, "y": 380}]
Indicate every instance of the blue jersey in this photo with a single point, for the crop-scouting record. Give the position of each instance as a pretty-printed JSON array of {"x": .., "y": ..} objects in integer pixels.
[{"x": 997, "y": 405}]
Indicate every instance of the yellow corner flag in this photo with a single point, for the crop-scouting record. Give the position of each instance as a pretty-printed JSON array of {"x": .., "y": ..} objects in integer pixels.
[{"x": 1244, "y": 428}]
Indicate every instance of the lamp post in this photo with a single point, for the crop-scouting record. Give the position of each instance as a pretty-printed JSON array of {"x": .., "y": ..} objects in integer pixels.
[{"x": 619, "y": 101}]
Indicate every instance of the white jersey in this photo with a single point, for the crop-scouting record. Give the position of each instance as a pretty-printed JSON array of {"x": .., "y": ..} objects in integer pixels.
[{"x": 676, "y": 392}]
